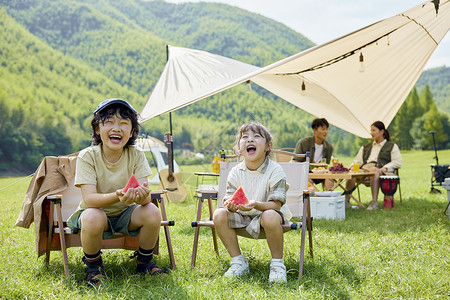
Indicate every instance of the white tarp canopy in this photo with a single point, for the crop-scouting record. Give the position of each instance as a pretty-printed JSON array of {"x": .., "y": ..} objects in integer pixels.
[
  {"x": 393, "y": 51},
  {"x": 160, "y": 156}
]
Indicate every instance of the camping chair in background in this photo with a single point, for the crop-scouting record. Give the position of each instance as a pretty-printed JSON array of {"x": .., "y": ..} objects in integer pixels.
[
  {"x": 52, "y": 233},
  {"x": 438, "y": 175},
  {"x": 297, "y": 198},
  {"x": 438, "y": 172},
  {"x": 282, "y": 154}
]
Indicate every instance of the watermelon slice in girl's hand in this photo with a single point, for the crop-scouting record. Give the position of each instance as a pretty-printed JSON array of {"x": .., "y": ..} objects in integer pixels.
[
  {"x": 132, "y": 183},
  {"x": 239, "y": 197}
]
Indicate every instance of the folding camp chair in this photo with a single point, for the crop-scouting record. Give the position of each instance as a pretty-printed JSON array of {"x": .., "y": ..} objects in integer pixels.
[
  {"x": 297, "y": 201},
  {"x": 59, "y": 207},
  {"x": 280, "y": 155}
]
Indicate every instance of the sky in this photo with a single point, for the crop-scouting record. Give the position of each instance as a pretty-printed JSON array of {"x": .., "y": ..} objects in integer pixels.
[{"x": 324, "y": 20}]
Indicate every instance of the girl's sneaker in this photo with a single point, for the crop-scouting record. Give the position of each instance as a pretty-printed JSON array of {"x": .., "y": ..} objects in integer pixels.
[
  {"x": 239, "y": 267},
  {"x": 277, "y": 272}
]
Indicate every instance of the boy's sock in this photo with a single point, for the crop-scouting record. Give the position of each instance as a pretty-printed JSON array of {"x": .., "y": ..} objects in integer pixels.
[
  {"x": 144, "y": 255},
  {"x": 95, "y": 259}
]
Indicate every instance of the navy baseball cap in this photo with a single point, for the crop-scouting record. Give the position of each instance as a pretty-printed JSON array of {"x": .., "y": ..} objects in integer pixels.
[{"x": 108, "y": 102}]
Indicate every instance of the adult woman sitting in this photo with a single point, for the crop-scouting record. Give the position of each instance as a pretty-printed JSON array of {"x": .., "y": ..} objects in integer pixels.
[{"x": 381, "y": 157}]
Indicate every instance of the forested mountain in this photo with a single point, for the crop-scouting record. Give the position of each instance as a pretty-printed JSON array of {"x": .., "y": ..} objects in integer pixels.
[
  {"x": 60, "y": 58},
  {"x": 439, "y": 81}
]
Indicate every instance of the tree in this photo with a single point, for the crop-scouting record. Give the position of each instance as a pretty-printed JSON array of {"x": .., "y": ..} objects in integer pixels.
[
  {"x": 426, "y": 98},
  {"x": 433, "y": 123},
  {"x": 414, "y": 108}
]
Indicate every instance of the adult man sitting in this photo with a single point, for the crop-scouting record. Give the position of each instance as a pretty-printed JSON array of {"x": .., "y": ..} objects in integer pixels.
[{"x": 319, "y": 148}]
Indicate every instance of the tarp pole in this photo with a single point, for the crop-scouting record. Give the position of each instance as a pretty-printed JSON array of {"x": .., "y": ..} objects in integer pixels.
[{"x": 170, "y": 118}]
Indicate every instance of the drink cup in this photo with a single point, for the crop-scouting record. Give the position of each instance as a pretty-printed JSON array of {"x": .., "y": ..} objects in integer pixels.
[{"x": 356, "y": 167}]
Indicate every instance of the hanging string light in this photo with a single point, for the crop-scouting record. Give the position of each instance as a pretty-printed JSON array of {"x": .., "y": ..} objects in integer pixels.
[
  {"x": 361, "y": 61},
  {"x": 303, "y": 92}
]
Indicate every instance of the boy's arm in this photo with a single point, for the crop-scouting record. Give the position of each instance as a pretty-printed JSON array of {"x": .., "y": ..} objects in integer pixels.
[
  {"x": 92, "y": 199},
  {"x": 139, "y": 195}
]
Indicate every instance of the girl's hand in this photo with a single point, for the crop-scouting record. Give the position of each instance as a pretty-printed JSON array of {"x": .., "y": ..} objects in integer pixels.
[
  {"x": 247, "y": 207},
  {"x": 230, "y": 206}
]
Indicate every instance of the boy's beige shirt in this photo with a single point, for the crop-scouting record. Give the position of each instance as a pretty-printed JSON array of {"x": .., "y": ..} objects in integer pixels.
[{"x": 93, "y": 168}]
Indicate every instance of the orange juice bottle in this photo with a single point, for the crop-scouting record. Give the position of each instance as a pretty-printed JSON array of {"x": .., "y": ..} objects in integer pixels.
[{"x": 216, "y": 164}]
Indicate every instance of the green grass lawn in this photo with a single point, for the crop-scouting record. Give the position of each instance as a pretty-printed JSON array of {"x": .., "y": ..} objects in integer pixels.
[{"x": 383, "y": 254}]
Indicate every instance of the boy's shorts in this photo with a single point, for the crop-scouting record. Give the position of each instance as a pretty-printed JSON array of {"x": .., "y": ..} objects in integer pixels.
[{"x": 116, "y": 224}]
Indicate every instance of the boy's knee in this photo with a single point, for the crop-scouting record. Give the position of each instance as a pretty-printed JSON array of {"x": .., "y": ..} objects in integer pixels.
[
  {"x": 93, "y": 219},
  {"x": 220, "y": 216},
  {"x": 150, "y": 213}
]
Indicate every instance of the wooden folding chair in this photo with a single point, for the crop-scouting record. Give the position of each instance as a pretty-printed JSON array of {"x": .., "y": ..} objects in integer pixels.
[
  {"x": 298, "y": 202},
  {"x": 60, "y": 207}
]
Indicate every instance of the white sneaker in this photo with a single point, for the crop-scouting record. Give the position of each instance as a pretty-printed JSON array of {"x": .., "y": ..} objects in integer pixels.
[
  {"x": 373, "y": 205},
  {"x": 238, "y": 267},
  {"x": 277, "y": 272}
]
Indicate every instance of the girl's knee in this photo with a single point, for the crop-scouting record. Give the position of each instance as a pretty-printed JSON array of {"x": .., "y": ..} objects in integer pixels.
[
  {"x": 270, "y": 218},
  {"x": 220, "y": 216}
]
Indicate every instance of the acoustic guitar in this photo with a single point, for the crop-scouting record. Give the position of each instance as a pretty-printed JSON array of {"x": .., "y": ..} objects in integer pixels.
[{"x": 170, "y": 181}]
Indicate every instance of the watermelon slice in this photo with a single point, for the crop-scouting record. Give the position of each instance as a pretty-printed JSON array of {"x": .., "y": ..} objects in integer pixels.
[
  {"x": 132, "y": 183},
  {"x": 239, "y": 197}
]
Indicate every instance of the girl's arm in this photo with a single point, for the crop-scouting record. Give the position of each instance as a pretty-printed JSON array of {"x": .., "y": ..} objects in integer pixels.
[{"x": 262, "y": 206}]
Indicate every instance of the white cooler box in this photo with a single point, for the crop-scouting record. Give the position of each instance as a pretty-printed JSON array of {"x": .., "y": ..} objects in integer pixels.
[{"x": 321, "y": 207}]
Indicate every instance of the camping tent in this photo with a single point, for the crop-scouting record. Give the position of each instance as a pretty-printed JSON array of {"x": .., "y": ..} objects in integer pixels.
[
  {"x": 159, "y": 152},
  {"x": 352, "y": 81}
]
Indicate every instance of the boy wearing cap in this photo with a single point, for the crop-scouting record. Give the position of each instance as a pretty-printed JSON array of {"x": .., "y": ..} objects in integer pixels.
[{"x": 102, "y": 170}]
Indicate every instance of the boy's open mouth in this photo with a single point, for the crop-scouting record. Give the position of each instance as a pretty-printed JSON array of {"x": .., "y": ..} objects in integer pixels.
[
  {"x": 251, "y": 149},
  {"x": 115, "y": 138}
]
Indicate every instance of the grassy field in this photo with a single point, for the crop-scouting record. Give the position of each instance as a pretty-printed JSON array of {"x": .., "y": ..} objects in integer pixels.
[{"x": 383, "y": 254}]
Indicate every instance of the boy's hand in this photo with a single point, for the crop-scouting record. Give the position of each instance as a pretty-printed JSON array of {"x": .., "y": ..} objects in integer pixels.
[
  {"x": 142, "y": 194},
  {"x": 139, "y": 195}
]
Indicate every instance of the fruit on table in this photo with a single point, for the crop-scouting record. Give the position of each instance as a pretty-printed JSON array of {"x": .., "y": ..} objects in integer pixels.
[{"x": 338, "y": 168}]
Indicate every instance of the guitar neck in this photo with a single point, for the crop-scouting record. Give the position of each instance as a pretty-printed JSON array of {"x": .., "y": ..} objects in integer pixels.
[{"x": 168, "y": 139}]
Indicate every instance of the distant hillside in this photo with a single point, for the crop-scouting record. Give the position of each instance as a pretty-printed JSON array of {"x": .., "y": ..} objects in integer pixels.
[
  {"x": 439, "y": 81},
  {"x": 58, "y": 87}
]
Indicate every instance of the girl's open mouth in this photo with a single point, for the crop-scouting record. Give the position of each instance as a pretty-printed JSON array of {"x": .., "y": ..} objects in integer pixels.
[{"x": 251, "y": 149}]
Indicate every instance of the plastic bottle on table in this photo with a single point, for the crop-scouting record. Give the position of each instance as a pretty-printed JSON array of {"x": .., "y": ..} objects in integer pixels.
[{"x": 216, "y": 164}]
